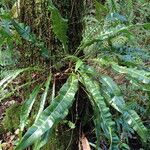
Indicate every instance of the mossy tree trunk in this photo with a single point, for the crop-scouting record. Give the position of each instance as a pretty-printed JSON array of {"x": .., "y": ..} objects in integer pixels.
[{"x": 35, "y": 14}]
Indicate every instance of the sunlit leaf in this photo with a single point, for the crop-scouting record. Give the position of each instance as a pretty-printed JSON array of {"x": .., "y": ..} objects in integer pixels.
[
  {"x": 135, "y": 122},
  {"x": 111, "y": 91},
  {"x": 101, "y": 111},
  {"x": 140, "y": 75},
  {"x": 52, "y": 114},
  {"x": 27, "y": 106},
  {"x": 42, "y": 141}
]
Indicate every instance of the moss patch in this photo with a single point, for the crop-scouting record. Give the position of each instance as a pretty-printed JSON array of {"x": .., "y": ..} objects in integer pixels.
[{"x": 12, "y": 116}]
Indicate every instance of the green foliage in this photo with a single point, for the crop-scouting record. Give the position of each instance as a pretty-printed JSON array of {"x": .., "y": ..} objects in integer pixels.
[
  {"x": 7, "y": 58},
  {"x": 132, "y": 118},
  {"x": 43, "y": 140},
  {"x": 10, "y": 77},
  {"x": 116, "y": 35},
  {"x": 8, "y": 55},
  {"x": 101, "y": 10},
  {"x": 11, "y": 122},
  {"x": 140, "y": 75},
  {"x": 112, "y": 93},
  {"x": 110, "y": 58},
  {"x": 112, "y": 5},
  {"x": 59, "y": 25},
  {"x": 24, "y": 32},
  {"x": 103, "y": 117},
  {"x": 52, "y": 114},
  {"x": 117, "y": 101},
  {"x": 27, "y": 106},
  {"x": 43, "y": 97}
]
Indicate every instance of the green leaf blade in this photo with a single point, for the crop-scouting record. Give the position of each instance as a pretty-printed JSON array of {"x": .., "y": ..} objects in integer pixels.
[
  {"x": 27, "y": 106},
  {"x": 43, "y": 98},
  {"x": 130, "y": 116},
  {"x": 112, "y": 93},
  {"x": 140, "y": 75},
  {"x": 135, "y": 122},
  {"x": 52, "y": 114},
  {"x": 103, "y": 118},
  {"x": 59, "y": 26}
]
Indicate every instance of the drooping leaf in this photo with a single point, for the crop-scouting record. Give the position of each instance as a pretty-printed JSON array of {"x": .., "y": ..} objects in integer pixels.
[
  {"x": 12, "y": 75},
  {"x": 43, "y": 98},
  {"x": 59, "y": 25},
  {"x": 113, "y": 88},
  {"x": 52, "y": 114},
  {"x": 102, "y": 111},
  {"x": 135, "y": 122},
  {"x": 111, "y": 91},
  {"x": 41, "y": 141},
  {"x": 6, "y": 94},
  {"x": 140, "y": 75},
  {"x": 24, "y": 31},
  {"x": 9, "y": 78},
  {"x": 27, "y": 106}
]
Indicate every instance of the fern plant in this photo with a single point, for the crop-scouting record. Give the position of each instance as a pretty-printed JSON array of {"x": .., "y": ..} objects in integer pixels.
[{"x": 105, "y": 44}]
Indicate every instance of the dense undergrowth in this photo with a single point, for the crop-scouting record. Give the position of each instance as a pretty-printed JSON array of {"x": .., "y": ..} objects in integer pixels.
[{"x": 100, "y": 90}]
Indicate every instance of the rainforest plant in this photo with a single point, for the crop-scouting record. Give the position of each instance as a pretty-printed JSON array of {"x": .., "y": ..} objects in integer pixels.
[{"x": 106, "y": 55}]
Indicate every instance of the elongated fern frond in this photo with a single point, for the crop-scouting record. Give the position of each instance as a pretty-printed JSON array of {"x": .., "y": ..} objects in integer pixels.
[
  {"x": 115, "y": 99},
  {"x": 112, "y": 93},
  {"x": 135, "y": 122},
  {"x": 27, "y": 106},
  {"x": 130, "y": 11},
  {"x": 8, "y": 79},
  {"x": 140, "y": 75},
  {"x": 107, "y": 124},
  {"x": 24, "y": 31},
  {"x": 43, "y": 98},
  {"x": 59, "y": 25},
  {"x": 41, "y": 141},
  {"x": 52, "y": 114},
  {"x": 111, "y": 32}
]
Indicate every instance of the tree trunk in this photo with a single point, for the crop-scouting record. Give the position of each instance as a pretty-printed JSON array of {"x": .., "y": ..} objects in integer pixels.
[{"x": 35, "y": 14}]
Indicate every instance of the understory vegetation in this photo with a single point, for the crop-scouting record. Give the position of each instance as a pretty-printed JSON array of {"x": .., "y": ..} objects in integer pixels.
[{"x": 75, "y": 75}]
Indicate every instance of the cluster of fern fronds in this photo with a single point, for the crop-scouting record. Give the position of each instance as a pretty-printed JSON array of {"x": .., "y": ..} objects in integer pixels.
[{"x": 113, "y": 72}]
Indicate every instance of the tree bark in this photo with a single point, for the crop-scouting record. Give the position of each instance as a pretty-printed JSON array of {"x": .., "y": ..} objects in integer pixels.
[{"x": 35, "y": 14}]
